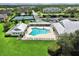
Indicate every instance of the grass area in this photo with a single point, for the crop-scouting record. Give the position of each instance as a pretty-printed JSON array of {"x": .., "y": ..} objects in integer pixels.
[{"x": 9, "y": 46}]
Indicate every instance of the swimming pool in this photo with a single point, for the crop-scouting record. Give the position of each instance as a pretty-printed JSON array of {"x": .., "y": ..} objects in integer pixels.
[{"x": 37, "y": 31}]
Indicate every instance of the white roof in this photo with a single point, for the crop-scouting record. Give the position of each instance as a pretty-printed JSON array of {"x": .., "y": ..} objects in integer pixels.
[
  {"x": 40, "y": 23},
  {"x": 22, "y": 13},
  {"x": 59, "y": 28},
  {"x": 52, "y": 9},
  {"x": 70, "y": 26},
  {"x": 20, "y": 27},
  {"x": 3, "y": 15}
]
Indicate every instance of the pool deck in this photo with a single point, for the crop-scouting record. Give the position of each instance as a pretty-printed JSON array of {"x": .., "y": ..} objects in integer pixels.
[{"x": 50, "y": 36}]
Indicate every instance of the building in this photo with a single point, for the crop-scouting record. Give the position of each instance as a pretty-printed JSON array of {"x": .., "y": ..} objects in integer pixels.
[
  {"x": 59, "y": 29},
  {"x": 70, "y": 26},
  {"x": 17, "y": 30},
  {"x": 52, "y": 9},
  {"x": 22, "y": 14},
  {"x": 23, "y": 10},
  {"x": 4, "y": 14},
  {"x": 66, "y": 26},
  {"x": 3, "y": 17},
  {"x": 8, "y": 12}
]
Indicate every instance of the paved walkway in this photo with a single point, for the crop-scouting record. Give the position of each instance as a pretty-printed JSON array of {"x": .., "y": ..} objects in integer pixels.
[{"x": 37, "y": 18}]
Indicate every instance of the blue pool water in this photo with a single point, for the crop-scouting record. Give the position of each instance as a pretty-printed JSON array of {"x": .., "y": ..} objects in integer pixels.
[{"x": 37, "y": 31}]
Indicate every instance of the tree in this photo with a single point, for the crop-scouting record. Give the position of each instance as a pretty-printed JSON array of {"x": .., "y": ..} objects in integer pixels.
[
  {"x": 76, "y": 40},
  {"x": 71, "y": 11},
  {"x": 6, "y": 27},
  {"x": 69, "y": 43},
  {"x": 16, "y": 21},
  {"x": 23, "y": 21},
  {"x": 66, "y": 44},
  {"x": 48, "y": 18}
]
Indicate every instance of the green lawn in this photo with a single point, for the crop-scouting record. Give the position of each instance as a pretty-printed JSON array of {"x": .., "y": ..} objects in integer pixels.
[{"x": 11, "y": 46}]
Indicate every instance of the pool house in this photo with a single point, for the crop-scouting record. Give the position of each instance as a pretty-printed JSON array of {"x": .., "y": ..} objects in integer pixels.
[{"x": 17, "y": 30}]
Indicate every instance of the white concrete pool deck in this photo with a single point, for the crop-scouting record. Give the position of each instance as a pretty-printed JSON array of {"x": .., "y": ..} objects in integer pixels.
[{"x": 50, "y": 36}]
